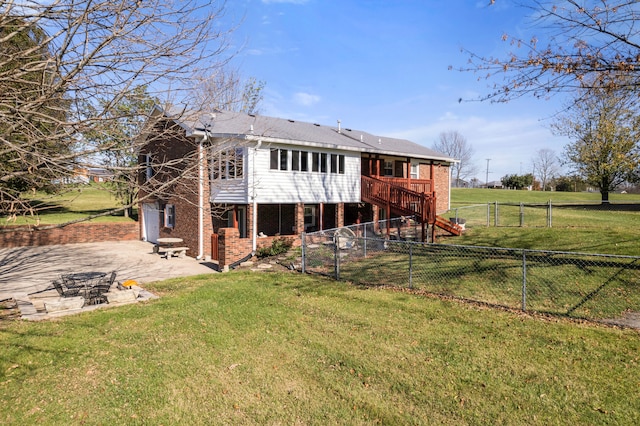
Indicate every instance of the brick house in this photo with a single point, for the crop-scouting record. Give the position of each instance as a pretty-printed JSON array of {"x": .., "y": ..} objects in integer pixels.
[{"x": 255, "y": 177}]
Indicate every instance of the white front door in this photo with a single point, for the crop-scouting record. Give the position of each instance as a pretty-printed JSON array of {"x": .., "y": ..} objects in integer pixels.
[{"x": 151, "y": 221}]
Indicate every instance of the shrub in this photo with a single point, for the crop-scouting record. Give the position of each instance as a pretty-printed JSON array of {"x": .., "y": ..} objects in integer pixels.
[{"x": 278, "y": 246}]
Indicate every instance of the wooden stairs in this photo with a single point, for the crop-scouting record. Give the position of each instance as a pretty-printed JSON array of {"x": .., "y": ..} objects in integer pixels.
[
  {"x": 405, "y": 202},
  {"x": 448, "y": 226}
]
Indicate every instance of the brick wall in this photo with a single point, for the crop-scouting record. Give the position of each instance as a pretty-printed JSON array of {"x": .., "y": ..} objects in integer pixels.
[
  {"x": 299, "y": 218},
  {"x": 173, "y": 147},
  {"x": 441, "y": 183},
  {"x": 232, "y": 248},
  {"x": 20, "y": 236}
]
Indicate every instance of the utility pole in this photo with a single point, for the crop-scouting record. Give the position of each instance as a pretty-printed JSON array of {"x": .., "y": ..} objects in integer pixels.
[{"x": 487, "y": 179}]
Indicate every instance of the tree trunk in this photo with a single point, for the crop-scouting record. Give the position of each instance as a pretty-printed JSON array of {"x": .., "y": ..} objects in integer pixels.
[{"x": 605, "y": 183}]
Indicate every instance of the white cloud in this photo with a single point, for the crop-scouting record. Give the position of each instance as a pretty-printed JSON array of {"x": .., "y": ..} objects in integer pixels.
[
  {"x": 305, "y": 99},
  {"x": 509, "y": 143}
]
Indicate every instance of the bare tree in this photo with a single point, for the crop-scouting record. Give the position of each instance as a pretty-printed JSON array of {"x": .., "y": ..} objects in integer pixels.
[
  {"x": 66, "y": 65},
  {"x": 587, "y": 44},
  {"x": 546, "y": 166},
  {"x": 453, "y": 144},
  {"x": 224, "y": 89}
]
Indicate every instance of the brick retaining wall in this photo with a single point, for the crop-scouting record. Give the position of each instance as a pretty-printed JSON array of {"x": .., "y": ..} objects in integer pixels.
[{"x": 20, "y": 236}]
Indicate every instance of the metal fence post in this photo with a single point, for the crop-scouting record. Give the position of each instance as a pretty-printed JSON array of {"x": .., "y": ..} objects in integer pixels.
[
  {"x": 410, "y": 265},
  {"x": 488, "y": 214},
  {"x": 364, "y": 245},
  {"x": 303, "y": 246},
  {"x": 521, "y": 214},
  {"x": 549, "y": 215},
  {"x": 495, "y": 215},
  {"x": 336, "y": 255},
  {"x": 524, "y": 280}
]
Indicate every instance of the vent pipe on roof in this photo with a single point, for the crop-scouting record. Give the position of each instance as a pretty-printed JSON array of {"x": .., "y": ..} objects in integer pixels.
[
  {"x": 339, "y": 131},
  {"x": 361, "y": 138},
  {"x": 379, "y": 141},
  {"x": 251, "y": 130}
]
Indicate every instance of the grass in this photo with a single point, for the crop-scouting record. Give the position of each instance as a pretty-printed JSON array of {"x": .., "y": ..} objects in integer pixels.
[
  {"x": 468, "y": 196},
  {"x": 74, "y": 204},
  {"x": 281, "y": 348},
  {"x": 579, "y": 286},
  {"x": 585, "y": 228}
]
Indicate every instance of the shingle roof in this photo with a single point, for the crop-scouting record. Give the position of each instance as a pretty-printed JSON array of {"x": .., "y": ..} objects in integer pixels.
[{"x": 233, "y": 124}]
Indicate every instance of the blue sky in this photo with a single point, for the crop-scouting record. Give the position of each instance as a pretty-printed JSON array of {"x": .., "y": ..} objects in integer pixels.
[{"x": 383, "y": 67}]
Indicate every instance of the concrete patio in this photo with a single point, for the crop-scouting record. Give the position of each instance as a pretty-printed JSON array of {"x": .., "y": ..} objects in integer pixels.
[{"x": 29, "y": 271}]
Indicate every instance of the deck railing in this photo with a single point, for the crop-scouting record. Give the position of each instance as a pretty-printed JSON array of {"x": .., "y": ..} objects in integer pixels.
[
  {"x": 416, "y": 185},
  {"x": 405, "y": 201}
]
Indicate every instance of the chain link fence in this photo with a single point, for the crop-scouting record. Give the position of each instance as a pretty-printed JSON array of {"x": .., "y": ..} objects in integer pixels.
[
  {"x": 578, "y": 285},
  {"x": 520, "y": 214}
]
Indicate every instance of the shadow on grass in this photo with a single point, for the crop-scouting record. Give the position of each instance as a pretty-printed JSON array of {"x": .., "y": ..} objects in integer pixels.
[{"x": 612, "y": 206}]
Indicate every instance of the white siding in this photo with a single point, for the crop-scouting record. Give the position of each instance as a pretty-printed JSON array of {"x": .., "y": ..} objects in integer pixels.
[
  {"x": 231, "y": 191},
  {"x": 280, "y": 186}
]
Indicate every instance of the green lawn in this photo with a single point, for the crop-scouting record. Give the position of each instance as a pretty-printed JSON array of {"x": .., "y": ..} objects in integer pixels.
[
  {"x": 284, "y": 348},
  {"x": 72, "y": 205},
  {"x": 467, "y": 196},
  {"x": 585, "y": 228}
]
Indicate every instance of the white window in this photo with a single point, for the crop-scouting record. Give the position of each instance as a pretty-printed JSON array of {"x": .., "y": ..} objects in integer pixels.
[
  {"x": 279, "y": 159},
  {"x": 148, "y": 162},
  {"x": 414, "y": 171},
  {"x": 309, "y": 217},
  {"x": 295, "y": 160},
  {"x": 388, "y": 168},
  {"x": 228, "y": 164},
  {"x": 169, "y": 216}
]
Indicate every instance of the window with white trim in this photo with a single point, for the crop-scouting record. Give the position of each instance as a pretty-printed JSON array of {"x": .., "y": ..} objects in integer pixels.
[
  {"x": 388, "y": 168},
  {"x": 309, "y": 217},
  {"x": 279, "y": 159},
  {"x": 295, "y": 160},
  {"x": 228, "y": 164},
  {"x": 148, "y": 162},
  {"x": 169, "y": 216},
  {"x": 414, "y": 171}
]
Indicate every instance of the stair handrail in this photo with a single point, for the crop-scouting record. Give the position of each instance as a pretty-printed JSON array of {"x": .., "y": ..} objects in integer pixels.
[{"x": 412, "y": 202}]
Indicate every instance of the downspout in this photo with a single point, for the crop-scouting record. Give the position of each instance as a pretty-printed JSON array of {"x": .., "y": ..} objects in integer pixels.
[
  {"x": 254, "y": 212},
  {"x": 449, "y": 200},
  {"x": 201, "y": 197}
]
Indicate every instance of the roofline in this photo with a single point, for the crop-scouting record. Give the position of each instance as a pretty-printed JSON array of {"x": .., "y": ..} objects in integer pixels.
[{"x": 269, "y": 139}]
